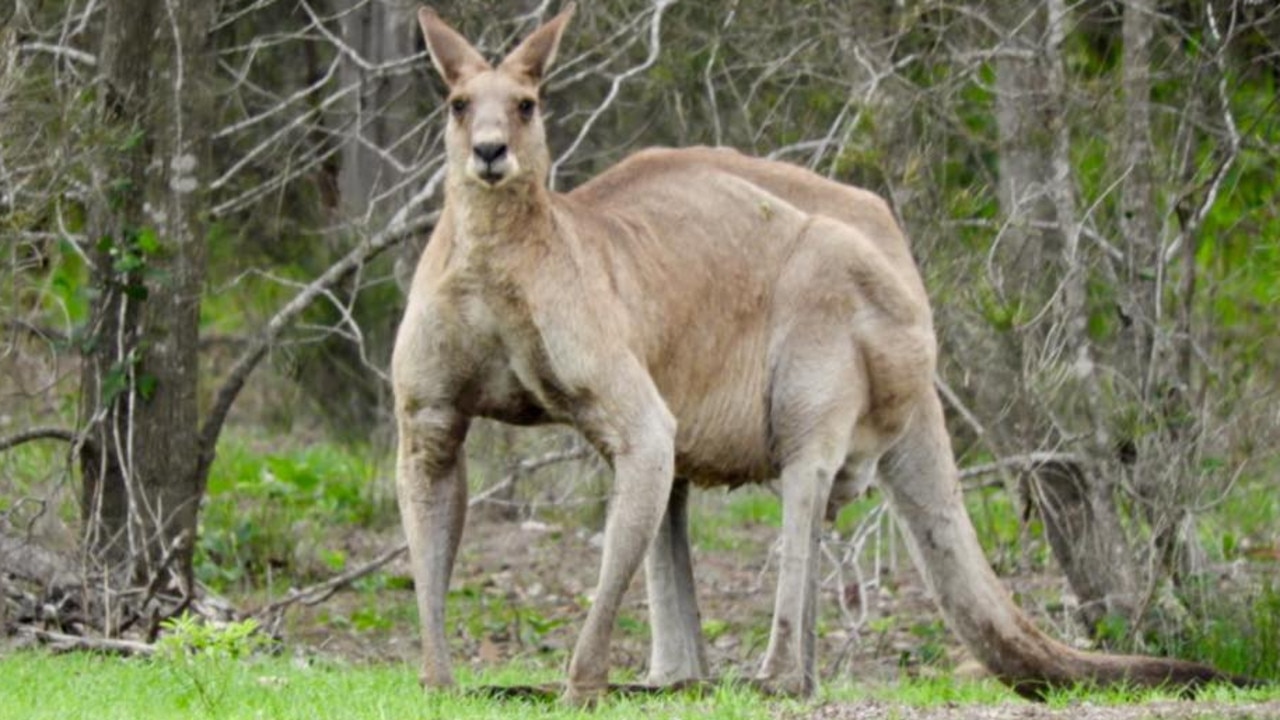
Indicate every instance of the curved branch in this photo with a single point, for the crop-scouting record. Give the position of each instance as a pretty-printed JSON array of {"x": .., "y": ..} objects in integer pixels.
[
  {"x": 397, "y": 230},
  {"x": 1028, "y": 461},
  {"x": 40, "y": 433}
]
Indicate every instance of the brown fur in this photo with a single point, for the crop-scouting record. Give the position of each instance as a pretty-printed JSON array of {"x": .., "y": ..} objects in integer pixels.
[{"x": 701, "y": 317}]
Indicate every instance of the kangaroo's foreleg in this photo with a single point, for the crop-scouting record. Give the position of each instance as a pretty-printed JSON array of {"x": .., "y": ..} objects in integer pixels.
[{"x": 431, "y": 486}]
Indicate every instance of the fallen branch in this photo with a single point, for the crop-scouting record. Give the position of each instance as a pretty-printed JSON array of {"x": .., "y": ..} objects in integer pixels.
[
  {"x": 320, "y": 592},
  {"x": 529, "y": 465},
  {"x": 61, "y": 642}
]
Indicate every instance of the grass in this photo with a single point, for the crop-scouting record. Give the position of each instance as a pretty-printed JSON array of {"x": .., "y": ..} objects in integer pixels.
[
  {"x": 275, "y": 511},
  {"x": 38, "y": 685}
]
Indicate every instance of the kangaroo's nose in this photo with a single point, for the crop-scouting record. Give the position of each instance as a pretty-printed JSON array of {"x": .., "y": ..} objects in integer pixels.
[{"x": 489, "y": 152}]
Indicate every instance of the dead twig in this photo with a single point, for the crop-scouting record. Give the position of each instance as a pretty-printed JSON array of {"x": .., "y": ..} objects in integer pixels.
[
  {"x": 61, "y": 642},
  {"x": 320, "y": 592}
]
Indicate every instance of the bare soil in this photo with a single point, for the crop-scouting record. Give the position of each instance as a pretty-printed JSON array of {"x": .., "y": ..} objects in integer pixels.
[
  {"x": 1164, "y": 710},
  {"x": 512, "y": 575}
]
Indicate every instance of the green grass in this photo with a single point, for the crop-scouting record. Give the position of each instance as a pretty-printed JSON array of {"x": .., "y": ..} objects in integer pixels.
[
  {"x": 38, "y": 685},
  {"x": 276, "y": 511},
  {"x": 722, "y": 522}
]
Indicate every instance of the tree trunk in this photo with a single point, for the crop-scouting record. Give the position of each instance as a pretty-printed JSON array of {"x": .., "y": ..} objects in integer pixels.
[
  {"x": 141, "y": 485},
  {"x": 1042, "y": 230},
  {"x": 1084, "y": 532},
  {"x": 380, "y": 31},
  {"x": 1079, "y": 508},
  {"x": 376, "y": 124},
  {"x": 1137, "y": 194}
]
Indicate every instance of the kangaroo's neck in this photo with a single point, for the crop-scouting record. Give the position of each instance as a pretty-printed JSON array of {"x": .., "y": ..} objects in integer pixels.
[{"x": 499, "y": 222}]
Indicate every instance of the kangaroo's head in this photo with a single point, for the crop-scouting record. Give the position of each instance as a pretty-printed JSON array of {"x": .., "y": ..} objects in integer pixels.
[{"x": 495, "y": 134}]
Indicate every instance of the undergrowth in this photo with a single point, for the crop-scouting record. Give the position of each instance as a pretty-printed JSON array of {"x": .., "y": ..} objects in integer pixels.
[{"x": 285, "y": 513}]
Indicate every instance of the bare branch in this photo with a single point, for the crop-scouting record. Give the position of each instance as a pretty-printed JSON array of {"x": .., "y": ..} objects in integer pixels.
[
  {"x": 73, "y": 54},
  {"x": 655, "y": 48},
  {"x": 41, "y": 433},
  {"x": 1028, "y": 461},
  {"x": 397, "y": 230}
]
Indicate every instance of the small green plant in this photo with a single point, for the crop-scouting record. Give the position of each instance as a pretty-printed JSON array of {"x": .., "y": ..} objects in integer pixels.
[{"x": 198, "y": 653}]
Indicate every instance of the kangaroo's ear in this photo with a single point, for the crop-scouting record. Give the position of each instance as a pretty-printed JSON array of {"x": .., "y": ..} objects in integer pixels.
[
  {"x": 452, "y": 55},
  {"x": 534, "y": 56}
]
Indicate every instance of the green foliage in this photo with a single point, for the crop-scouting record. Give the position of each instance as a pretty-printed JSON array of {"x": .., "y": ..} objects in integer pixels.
[
  {"x": 755, "y": 506},
  {"x": 489, "y": 612},
  {"x": 932, "y": 637},
  {"x": 996, "y": 519},
  {"x": 276, "y": 512},
  {"x": 196, "y": 654},
  {"x": 717, "y": 522},
  {"x": 188, "y": 636},
  {"x": 852, "y": 514},
  {"x": 1239, "y": 632}
]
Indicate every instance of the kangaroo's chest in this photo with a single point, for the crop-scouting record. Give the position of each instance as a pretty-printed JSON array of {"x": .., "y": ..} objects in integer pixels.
[{"x": 512, "y": 379}]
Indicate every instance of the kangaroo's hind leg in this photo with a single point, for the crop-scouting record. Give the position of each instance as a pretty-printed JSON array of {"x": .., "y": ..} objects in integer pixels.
[
  {"x": 819, "y": 395},
  {"x": 678, "y": 653}
]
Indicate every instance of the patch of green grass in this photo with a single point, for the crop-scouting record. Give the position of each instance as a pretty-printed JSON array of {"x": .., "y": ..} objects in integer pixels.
[
  {"x": 67, "y": 687},
  {"x": 190, "y": 680},
  {"x": 717, "y": 522},
  {"x": 276, "y": 512},
  {"x": 926, "y": 692},
  {"x": 1239, "y": 634}
]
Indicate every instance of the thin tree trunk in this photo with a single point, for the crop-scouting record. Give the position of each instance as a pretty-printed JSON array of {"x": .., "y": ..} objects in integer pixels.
[
  {"x": 1137, "y": 194},
  {"x": 1024, "y": 149},
  {"x": 380, "y": 31},
  {"x": 141, "y": 488},
  {"x": 1079, "y": 508}
]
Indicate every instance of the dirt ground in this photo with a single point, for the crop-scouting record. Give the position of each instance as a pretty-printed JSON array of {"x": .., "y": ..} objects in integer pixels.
[
  {"x": 876, "y": 710},
  {"x": 513, "y": 576},
  {"x": 526, "y": 585}
]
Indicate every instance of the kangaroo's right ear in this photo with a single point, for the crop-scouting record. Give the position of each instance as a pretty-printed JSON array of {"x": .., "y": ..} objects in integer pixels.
[{"x": 452, "y": 55}]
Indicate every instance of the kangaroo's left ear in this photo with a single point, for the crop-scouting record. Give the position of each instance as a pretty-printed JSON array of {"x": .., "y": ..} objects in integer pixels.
[{"x": 534, "y": 56}]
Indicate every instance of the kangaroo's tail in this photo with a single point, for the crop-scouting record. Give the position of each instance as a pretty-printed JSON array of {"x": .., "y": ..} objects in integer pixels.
[{"x": 919, "y": 477}]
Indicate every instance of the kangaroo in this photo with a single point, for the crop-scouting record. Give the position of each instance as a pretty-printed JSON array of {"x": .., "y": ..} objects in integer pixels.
[{"x": 702, "y": 318}]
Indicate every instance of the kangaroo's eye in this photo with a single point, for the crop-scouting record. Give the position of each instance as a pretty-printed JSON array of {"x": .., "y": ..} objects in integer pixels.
[
  {"x": 526, "y": 107},
  {"x": 459, "y": 106}
]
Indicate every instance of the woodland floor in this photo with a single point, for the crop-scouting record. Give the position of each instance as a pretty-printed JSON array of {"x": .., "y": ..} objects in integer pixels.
[{"x": 519, "y": 596}]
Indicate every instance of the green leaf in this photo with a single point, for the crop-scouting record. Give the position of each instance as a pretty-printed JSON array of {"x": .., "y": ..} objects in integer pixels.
[
  {"x": 114, "y": 383},
  {"x": 147, "y": 243},
  {"x": 146, "y": 384}
]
